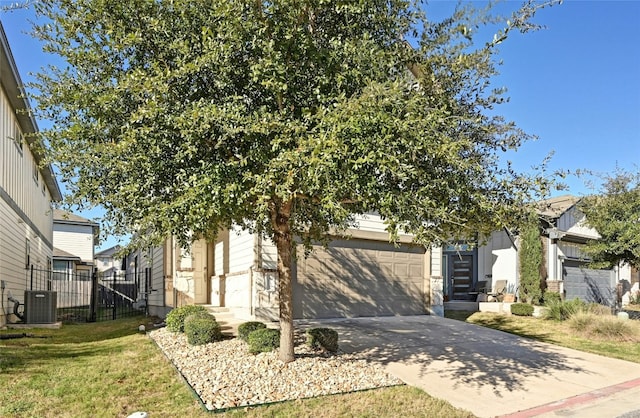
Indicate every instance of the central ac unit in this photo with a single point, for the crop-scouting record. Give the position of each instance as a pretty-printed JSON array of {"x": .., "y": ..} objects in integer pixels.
[{"x": 40, "y": 307}]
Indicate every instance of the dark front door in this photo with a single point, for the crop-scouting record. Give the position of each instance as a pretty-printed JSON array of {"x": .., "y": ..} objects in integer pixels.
[{"x": 460, "y": 276}]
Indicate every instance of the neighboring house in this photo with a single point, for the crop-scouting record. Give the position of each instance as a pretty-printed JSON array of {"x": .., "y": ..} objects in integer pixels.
[
  {"x": 108, "y": 264},
  {"x": 27, "y": 189},
  {"x": 74, "y": 241},
  {"x": 565, "y": 267}
]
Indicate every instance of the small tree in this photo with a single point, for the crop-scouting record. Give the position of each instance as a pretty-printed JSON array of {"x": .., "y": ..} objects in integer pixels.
[
  {"x": 615, "y": 215},
  {"x": 531, "y": 257}
]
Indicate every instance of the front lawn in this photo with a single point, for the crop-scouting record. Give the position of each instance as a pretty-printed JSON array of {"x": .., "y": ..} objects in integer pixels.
[
  {"x": 565, "y": 333},
  {"x": 108, "y": 369}
]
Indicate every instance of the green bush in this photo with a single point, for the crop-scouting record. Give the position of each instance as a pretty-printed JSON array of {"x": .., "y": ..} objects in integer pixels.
[
  {"x": 202, "y": 328},
  {"x": 521, "y": 309},
  {"x": 323, "y": 338},
  {"x": 247, "y": 328},
  {"x": 175, "y": 318},
  {"x": 551, "y": 297},
  {"x": 263, "y": 340},
  {"x": 563, "y": 310}
]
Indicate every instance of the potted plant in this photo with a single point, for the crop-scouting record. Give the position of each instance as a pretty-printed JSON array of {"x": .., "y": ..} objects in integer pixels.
[{"x": 510, "y": 293}]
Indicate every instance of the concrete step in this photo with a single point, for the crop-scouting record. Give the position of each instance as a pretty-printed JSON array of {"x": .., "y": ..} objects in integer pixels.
[{"x": 228, "y": 322}]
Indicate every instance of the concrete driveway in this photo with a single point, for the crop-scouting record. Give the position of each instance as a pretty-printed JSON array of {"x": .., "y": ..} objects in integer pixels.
[{"x": 488, "y": 372}]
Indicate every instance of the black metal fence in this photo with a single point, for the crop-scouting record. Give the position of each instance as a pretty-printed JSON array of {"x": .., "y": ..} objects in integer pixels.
[{"x": 90, "y": 296}]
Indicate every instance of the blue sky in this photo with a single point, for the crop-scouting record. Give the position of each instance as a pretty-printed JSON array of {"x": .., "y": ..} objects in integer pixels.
[{"x": 575, "y": 84}]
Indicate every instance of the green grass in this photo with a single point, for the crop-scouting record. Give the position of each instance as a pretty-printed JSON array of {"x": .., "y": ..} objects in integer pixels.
[
  {"x": 597, "y": 334},
  {"x": 108, "y": 369}
]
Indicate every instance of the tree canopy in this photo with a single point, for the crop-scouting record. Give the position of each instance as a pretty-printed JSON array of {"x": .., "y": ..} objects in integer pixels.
[
  {"x": 287, "y": 118},
  {"x": 615, "y": 214}
]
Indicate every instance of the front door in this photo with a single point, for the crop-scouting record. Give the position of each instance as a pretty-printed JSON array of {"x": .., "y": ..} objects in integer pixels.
[{"x": 460, "y": 268}]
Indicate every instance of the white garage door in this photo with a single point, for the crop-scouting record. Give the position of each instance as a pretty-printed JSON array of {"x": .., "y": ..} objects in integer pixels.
[{"x": 360, "y": 278}]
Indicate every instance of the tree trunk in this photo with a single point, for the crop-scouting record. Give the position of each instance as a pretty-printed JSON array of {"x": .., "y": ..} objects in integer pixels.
[{"x": 284, "y": 242}]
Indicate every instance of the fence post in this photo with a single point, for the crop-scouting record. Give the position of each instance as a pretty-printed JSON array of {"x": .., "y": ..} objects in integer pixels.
[
  {"x": 93, "y": 298},
  {"x": 113, "y": 294}
]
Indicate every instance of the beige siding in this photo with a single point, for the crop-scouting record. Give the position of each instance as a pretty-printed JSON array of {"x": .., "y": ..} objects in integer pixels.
[
  {"x": 156, "y": 263},
  {"x": 436, "y": 262},
  {"x": 74, "y": 239},
  {"x": 25, "y": 211},
  {"x": 269, "y": 255},
  {"x": 241, "y": 250},
  {"x": 17, "y": 175}
]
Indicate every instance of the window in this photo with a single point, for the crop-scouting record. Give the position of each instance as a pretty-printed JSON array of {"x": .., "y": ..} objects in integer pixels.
[
  {"x": 60, "y": 270},
  {"x": 35, "y": 172},
  {"x": 27, "y": 254},
  {"x": 17, "y": 137}
]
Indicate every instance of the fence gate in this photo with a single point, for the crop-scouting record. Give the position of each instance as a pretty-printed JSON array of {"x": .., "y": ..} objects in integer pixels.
[{"x": 86, "y": 296}]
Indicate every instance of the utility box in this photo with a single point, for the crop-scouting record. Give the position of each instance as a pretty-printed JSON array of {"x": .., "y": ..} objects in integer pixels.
[{"x": 40, "y": 307}]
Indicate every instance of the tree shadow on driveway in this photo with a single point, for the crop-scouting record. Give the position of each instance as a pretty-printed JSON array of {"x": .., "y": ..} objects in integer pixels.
[{"x": 468, "y": 355}]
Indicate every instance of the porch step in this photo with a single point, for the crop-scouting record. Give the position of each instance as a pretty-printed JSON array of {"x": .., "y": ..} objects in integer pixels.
[
  {"x": 228, "y": 322},
  {"x": 461, "y": 306}
]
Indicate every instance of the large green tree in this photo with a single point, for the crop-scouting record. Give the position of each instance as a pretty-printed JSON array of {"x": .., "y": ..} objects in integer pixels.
[
  {"x": 285, "y": 117},
  {"x": 615, "y": 214}
]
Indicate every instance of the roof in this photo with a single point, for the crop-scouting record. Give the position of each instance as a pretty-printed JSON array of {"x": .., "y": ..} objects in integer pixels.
[
  {"x": 62, "y": 216},
  {"x": 556, "y": 206},
  {"x": 13, "y": 85},
  {"x": 63, "y": 255},
  {"x": 108, "y": 252}
]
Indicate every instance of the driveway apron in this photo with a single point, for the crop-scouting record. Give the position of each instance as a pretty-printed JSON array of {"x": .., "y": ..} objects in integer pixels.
[{"x": 487, "y": 372}]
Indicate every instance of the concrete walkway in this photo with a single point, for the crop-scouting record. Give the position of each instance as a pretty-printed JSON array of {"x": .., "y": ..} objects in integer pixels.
[{"x": 489, "y": 372}]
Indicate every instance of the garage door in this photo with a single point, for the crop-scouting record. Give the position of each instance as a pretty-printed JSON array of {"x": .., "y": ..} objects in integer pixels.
[
  {"x": 589, "y": 285},
  {"x": 360, "y": 278}
]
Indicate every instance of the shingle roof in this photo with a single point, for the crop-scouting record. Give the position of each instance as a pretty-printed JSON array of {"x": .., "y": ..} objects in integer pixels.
[{"x": 556, "y": 206}]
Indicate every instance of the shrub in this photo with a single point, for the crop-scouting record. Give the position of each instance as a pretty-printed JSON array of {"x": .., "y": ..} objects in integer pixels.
[
  {"x": 202, "y": 328},
  {"x": 175, "y": 318},
  {"x": 522, "y": 309},
  {"x": 323, "y": 338},
  {"x": 563, "y": 310},
  {"x": 247, "y": 328},
  {"x": 551, "y": 297},
  {"x": 602, "y": 310},
  {"x": 603, "y": 327},
  {"x": 263, "y": 340}
]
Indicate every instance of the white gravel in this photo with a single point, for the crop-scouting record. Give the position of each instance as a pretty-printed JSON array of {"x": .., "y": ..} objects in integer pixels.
[{"x": 226, "y": 375}]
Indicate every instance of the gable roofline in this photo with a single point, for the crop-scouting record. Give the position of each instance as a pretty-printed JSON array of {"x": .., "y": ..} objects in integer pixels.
[
  {"x": 13, "y": 85},
  {"x": 555, "y": 207}
]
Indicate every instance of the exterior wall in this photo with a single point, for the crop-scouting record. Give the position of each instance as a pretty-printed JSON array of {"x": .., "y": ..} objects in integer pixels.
[
  {"x": 498, "y": 260},
  {"x": 26, "y": 220},
  {"x": 74, "y": 239},
  {"x": 241, "y": 250},
  {"x": 573, "y": 222}
]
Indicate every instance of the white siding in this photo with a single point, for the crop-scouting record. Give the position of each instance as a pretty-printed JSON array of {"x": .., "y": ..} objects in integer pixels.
[
  {"x": 241, "y": 250},
  {"x": 436, "y": 262},
  {"x": 498, "y": 258},
  {"x": 74, "y": 239},
  {"x": 573, "y": 222}
]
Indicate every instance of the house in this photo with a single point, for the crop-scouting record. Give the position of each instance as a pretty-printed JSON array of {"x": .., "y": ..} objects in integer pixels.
[
  {"x": 167, "y": 276},
  {"x": 108, "y": 264},
  {"x": 565, "y": 267},
  {"x": 27, "y": 190},
  {"x": 364, "y": 275},
  {"x": 74, "y": 241}
]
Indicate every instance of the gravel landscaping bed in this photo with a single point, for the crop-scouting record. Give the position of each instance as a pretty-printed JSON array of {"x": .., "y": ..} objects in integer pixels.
[{"x": 226, "y": 375}]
